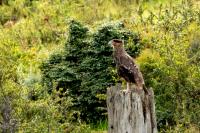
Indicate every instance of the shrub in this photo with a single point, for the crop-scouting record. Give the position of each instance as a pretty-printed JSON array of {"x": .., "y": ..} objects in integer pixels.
[{"x": 85, "y": 68}]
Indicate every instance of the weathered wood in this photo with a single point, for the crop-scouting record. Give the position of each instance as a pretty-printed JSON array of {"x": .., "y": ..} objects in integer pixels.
[{"x": 130, "y": 112}]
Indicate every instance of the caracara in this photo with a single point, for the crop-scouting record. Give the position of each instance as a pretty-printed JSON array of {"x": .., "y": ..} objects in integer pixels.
[{"x": 126, "y": 67}]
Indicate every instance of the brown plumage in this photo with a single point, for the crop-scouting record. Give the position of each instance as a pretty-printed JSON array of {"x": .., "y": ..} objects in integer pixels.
[{"x": 126, "y": 67}]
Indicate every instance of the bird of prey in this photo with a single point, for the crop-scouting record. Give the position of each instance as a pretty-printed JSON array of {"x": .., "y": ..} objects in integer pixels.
[{"x": 126, "y": 66}]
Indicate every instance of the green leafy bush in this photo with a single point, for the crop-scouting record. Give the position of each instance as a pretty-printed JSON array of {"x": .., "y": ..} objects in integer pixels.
[
  {"x": 171, "y": 65},
  {"x": 85, "y": 68}
]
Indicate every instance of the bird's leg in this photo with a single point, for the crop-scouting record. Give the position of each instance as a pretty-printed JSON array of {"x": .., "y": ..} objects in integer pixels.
[
  {"x": 145, "y": 89},
  {"x": 128, "y": 87}
]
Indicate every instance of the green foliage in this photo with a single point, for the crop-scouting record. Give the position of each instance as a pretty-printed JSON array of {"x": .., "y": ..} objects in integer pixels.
[
  {"x": 19, "y": 110},
  {"x": 171, "y": 67},
  {"x": 77, "y": 73},
  {"x": 8, "y": 83},
  {"x": 85, "y": 69},
  {"x": 45, "y": 115}
]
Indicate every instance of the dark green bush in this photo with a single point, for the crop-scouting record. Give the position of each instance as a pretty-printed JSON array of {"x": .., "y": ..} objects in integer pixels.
[{"x": 86, "y": 68}]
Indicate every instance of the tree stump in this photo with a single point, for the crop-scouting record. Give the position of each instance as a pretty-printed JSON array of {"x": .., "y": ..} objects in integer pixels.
[{"x": 132, "y": 112}]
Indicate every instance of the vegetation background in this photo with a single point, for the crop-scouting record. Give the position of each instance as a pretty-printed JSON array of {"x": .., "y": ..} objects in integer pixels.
[{"x": 55, "y": 63}]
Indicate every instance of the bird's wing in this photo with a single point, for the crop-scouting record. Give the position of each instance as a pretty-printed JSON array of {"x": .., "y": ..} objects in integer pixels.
[{"x": 129, "y": 65}]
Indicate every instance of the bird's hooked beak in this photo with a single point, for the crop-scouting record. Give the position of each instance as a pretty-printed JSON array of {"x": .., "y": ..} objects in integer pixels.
[{"x": 110, "y": 43}]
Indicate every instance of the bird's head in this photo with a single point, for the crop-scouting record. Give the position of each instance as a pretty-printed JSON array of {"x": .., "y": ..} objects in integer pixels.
[{"x": 116, "y": 43}]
